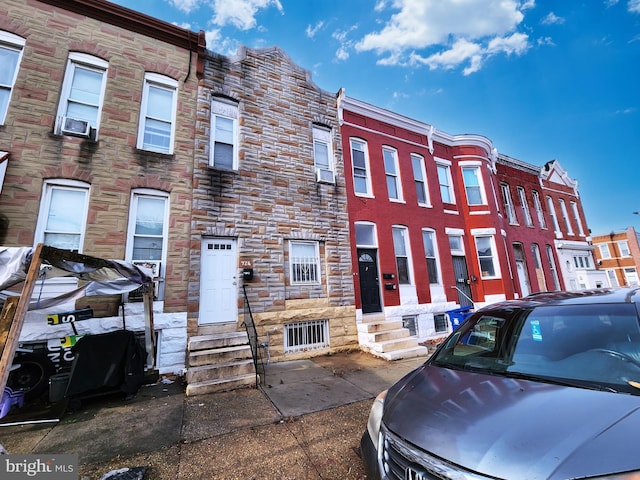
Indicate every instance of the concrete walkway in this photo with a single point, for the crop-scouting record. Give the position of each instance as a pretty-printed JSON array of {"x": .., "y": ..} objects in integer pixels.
[{"x": 304, "y": 422}]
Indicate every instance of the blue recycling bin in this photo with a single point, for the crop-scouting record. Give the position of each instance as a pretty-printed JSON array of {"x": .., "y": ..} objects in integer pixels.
[{"x": 458, "y": 315}]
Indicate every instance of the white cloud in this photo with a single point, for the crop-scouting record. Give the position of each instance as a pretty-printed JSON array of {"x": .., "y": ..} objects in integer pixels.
[
  {"x": 634, "y": 6},
  {"x": 185, "y": 5},
  {"x": 342, "y": 53},
  {"x": 311, "y": 31},
  {"x": 552, "y": 19},
  {"x": 546, "y": 41},
  {"x": 240, "y": 13},
  {"x": 462, "y": 32},
  {"x": 225, "y": 46}
]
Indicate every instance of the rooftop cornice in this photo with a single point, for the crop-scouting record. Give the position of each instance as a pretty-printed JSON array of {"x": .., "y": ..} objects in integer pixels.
[
  {"x": 134, "y": 21},
  {"x": 392, "y": 118}
]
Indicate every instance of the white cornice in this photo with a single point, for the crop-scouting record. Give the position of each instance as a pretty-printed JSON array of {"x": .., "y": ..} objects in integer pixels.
[{"x": 433, "y": 134}]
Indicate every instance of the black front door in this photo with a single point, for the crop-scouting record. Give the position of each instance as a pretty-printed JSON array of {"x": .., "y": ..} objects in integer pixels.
[
  {"x": 462, "y": 281},
  {"x": 369, "y": 284}
]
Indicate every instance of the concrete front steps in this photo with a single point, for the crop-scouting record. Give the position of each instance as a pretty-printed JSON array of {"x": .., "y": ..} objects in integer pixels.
[
  {"x": 219, "y": 359},
  {"x": 388, "y": 338}
]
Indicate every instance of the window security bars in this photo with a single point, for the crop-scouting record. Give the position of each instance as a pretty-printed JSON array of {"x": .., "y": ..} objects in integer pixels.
[{"x": 303, "y": 336}]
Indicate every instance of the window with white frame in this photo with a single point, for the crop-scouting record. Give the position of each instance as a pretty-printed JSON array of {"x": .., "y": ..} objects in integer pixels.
[
  {"x": 420, "y": 179},
  {"x": 400, "y": 246},
  {"x": 525, "y": 206},
  {"x": 224, "y": 134},
  {"x": 552, "y": 267},
  {"x": 445, "y": 182},
  {"x": 455, "y": 244},
  {"x": 410, "y": 322},
  {"x": 392, "y": 173},
  {"x": 537, "y": 263},
  {"x": 473, "y": 185},
  {"x": 582, "y": 261},
  {"x": 304, "y": 262},
  {"x": 360, "y": 160},
  {"x": 486, "y": 249},
  {"x": 605, "y": 253},
  {"x": 509, "y": 211},
  {"x": 11, "y": 47},
  {"x": 576, "y": 216},
  {"x": 538, "y": 208},
  {"x": 430, "y": 253},
  {"x": 82, "y": 96},
  {"x": 623, "y": 247},
  {"x": 365, "y": 234},
  {"x": 63, "y": 214},
  {"x": 304, "y": 336},
  {"x": 613, "y": 279},
  {"x": 554, "y": 217},
  {"x": 631, "y": 276},
  {"x": 156, "y": 131},
  {"x": 323, "y": 154},
  {"x": 565, "y": 217},
  {"x": 148, "y": 220},
  {"x": 147, "y": 232}
]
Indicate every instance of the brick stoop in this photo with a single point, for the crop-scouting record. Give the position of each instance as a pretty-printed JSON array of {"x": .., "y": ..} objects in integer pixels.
[
  {"x": 388, "y": 339},
  {"x": 219, "y": 360}
]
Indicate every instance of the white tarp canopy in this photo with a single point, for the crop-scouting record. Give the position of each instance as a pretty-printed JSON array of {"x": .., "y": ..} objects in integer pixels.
[{"x": 96, "y": 276}]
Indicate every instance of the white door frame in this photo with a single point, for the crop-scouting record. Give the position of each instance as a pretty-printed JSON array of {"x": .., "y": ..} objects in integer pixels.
[{"x": 218, "y": 281}]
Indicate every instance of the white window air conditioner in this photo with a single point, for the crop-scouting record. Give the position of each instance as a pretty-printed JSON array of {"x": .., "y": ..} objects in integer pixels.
[
  {"x": 77, "y": 128},
  {"x": 325, "y": 176}
]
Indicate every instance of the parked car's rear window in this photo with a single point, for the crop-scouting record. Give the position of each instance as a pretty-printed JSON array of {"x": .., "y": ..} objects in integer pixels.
[{"x": 595, "y": 346}]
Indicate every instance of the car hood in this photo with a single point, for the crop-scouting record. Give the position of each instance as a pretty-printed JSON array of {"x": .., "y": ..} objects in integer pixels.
[{"x": 509, "y": 428}]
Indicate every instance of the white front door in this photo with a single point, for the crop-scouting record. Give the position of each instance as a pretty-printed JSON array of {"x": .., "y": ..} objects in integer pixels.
[
  {"x": 218, "y": 281},
  {"x": 523, "y": 277}
]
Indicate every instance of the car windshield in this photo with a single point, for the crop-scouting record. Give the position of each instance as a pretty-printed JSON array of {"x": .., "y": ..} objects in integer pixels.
[{"x": 590, "y": 346}]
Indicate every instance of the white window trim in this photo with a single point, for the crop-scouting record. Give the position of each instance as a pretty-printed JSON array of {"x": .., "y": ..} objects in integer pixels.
[
  {"x": 425, "y": 184},
  {"x": 316, "y": 245},
  {"x": 605, "y": 251},
  {"x": 626, "y": 247},
  {"x": 509, "y": 208},
  {"x": 323, "y": 135},
  {"x": 537, "y": 205},
  {"x": 525, "y": 206},
  {"x": 131, "y": 228},
  {"x": 613, "y": 278},
  {"x": 435, "y": 253},
  {"x": 45, "y": 203},
  {"x": 375, "y": 235},
  {"x": 477, "y": 166},
  {"x": 485, "y": 233},
  {"x": 221, "y": 107},
  {"x": 446, "y": 164},
  {"x": 14, "y": 42},
  {"x": 160, "y": 81},
  {"x": 88, "y": 61},
  {"x": 576, "y": 216},
  {"x": 631, "y": 276},
  {"x": 565, "y": 217},
  {"x": 554, "y": 217},
  {"x": 369, "y": 192},
  {"x": 395, "y": 175},
  {"x": 407, "y": 248}
]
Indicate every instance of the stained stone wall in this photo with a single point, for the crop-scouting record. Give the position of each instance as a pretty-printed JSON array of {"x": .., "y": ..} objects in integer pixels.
[{"x": 273, "y": 197}]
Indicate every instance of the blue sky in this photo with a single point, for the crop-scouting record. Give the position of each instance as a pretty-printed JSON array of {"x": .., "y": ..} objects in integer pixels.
[{"x": 543, "y": 79}]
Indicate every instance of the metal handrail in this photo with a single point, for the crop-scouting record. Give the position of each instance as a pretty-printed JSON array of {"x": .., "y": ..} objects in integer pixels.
[
  {"x": 473, "y": 304},
  {"x": 252, "y": 333}
]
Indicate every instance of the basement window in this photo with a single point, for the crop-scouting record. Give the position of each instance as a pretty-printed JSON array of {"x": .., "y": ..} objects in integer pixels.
[
  {"x": 440, "y": 322},
  {"x": 303, "y": 336},
  {"x": 409, "y": 322}
]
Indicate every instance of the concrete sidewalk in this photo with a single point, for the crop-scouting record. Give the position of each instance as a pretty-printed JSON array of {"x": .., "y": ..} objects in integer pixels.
[{"x": 304, "y": 422}]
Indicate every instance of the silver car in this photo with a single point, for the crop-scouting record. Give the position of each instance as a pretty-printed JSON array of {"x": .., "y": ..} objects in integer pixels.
[{"x": 547, "y": 387}]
